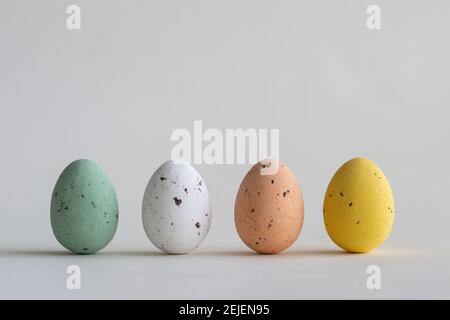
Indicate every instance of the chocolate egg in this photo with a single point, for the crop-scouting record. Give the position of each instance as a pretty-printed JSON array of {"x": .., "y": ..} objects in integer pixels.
[
  {"x": 84, "y": 209},
  {"x": 269, "y": 208},
  {"x": 358, "y": 207},
  {"x": 176, "y": 211}
]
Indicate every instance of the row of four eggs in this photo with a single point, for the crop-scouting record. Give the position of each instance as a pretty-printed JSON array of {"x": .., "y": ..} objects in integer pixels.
[{"x": 358, "y": 207}]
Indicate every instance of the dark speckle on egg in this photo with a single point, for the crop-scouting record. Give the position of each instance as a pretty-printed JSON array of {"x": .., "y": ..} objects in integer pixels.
[{"x": 177, "y": 201}]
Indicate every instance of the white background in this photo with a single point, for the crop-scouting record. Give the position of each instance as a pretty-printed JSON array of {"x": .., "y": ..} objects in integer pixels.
[{"x": 115, "y": 90}]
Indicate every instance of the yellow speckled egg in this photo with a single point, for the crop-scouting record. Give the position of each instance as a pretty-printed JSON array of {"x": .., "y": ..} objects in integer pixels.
[{"x": 358, "y": 208}]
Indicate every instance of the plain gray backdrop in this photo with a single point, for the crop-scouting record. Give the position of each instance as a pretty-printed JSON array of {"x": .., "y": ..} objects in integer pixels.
[{"x": 115, "y": 90}]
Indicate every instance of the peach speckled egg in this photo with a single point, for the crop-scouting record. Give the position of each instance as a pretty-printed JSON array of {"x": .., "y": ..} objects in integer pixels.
[{"x": 269, "y": 209}]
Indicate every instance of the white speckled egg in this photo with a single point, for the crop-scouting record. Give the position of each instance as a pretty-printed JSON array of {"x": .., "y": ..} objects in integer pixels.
[{"x": 176, "y": 211}]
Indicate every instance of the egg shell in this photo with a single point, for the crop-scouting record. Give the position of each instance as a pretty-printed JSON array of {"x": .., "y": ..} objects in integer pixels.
[
  {"x": 84, "y": 209},
  {"x": 176, "y": 210},
  {"x": 269, "y": 209},
  {"x": 358, "y": 208}
]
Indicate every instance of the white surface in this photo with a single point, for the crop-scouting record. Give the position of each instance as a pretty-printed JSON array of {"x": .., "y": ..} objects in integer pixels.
[{"x": 220, "y": 273}]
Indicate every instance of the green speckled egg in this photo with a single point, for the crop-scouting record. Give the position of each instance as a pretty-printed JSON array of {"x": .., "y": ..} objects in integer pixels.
[{"x": 84, "y": 210}]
